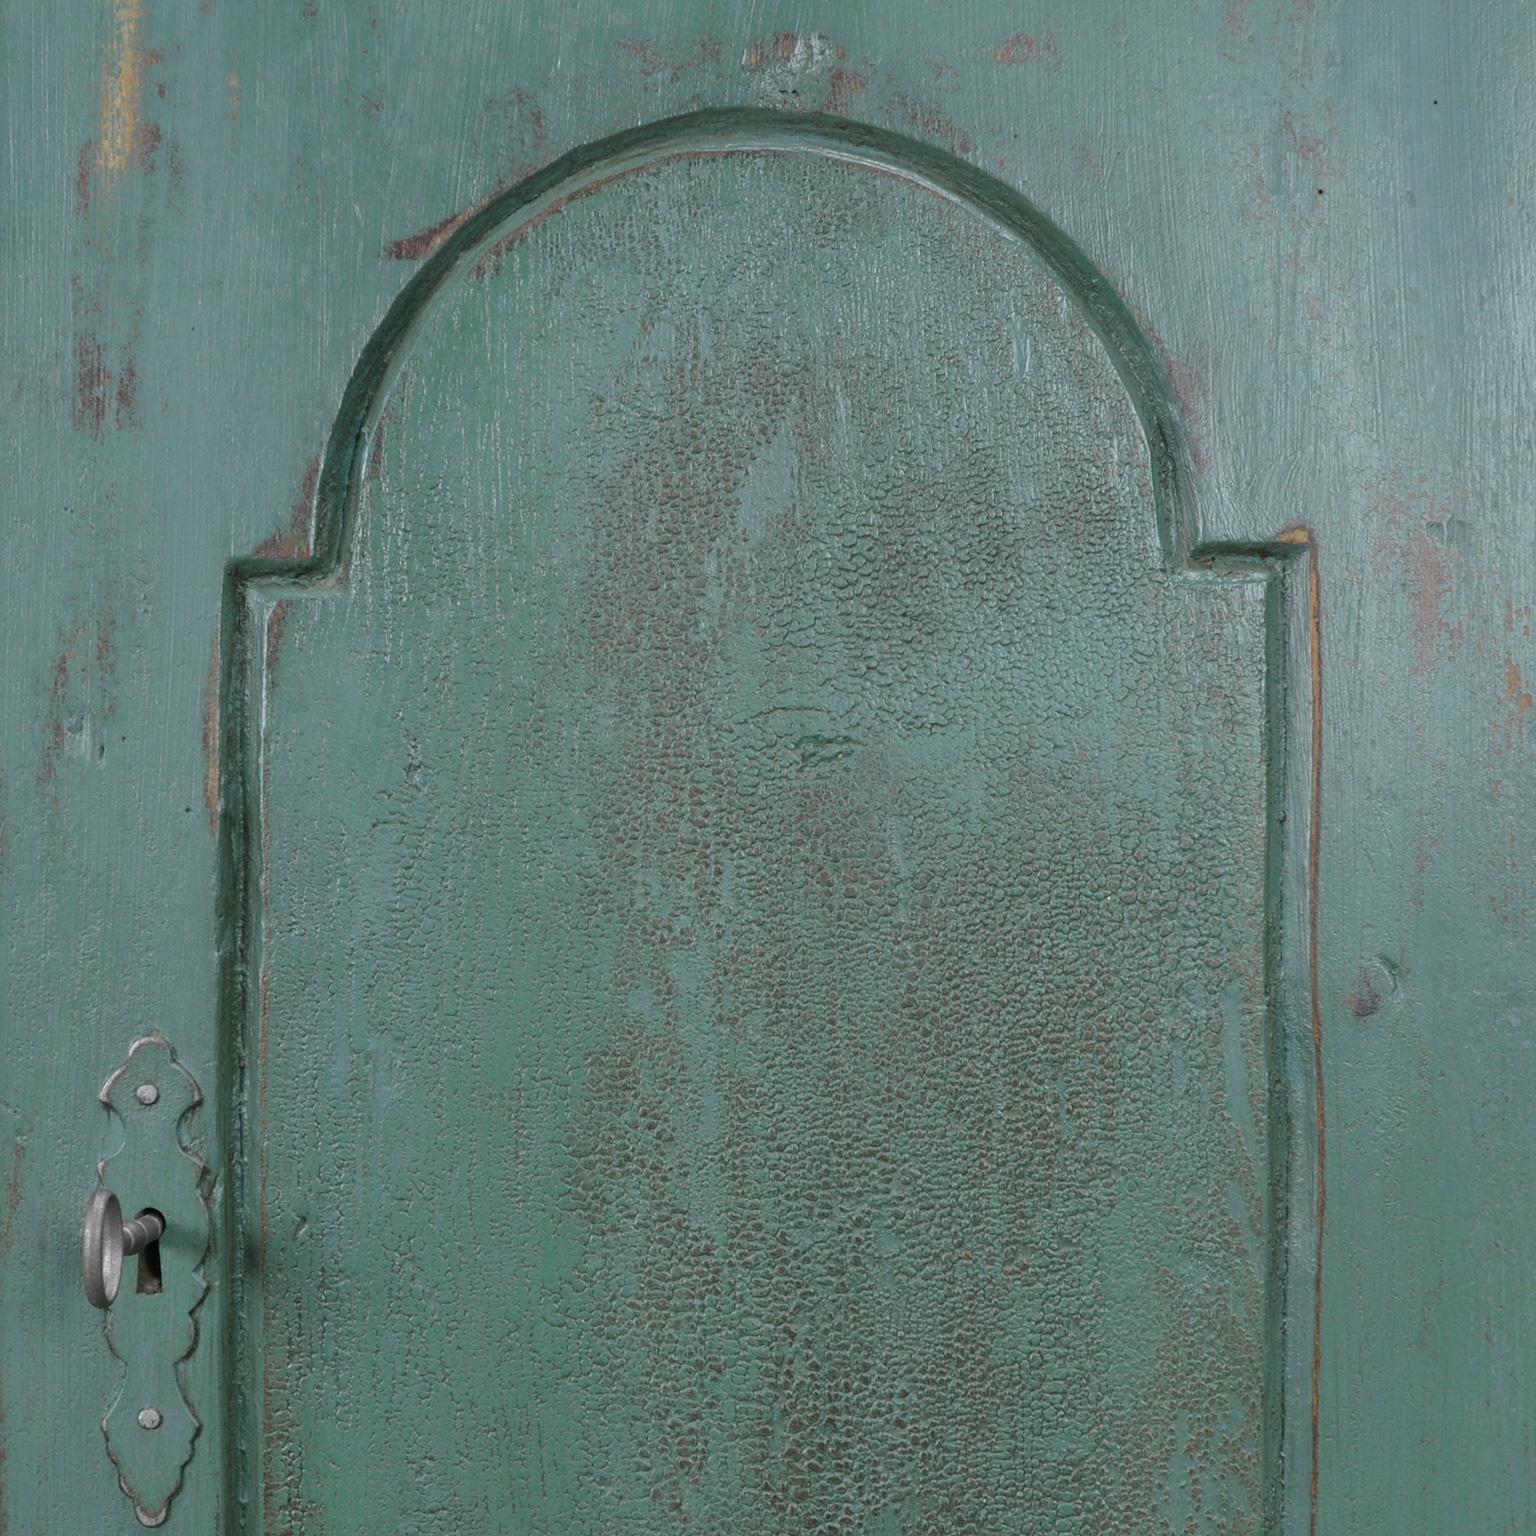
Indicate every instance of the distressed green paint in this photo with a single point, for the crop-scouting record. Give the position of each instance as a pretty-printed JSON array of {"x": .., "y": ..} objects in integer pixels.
[
  {"x": 215, "y": 209},
  {"x": 787, "y": 880}
]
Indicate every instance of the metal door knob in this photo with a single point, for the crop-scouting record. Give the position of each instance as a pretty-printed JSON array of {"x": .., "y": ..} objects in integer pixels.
[{"x": 107, "y": 1239}]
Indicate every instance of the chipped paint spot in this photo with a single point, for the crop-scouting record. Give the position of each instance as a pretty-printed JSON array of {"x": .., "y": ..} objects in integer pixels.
[
  {"x": 105, "y": 373},
  {"x": 931, "y": 124},
  {"x": 1312, "y": 150},
  {"x": 77, "y": 703},
  {"x": 1418, "y": 544},
  {"x": 233, "y": 86},
  {"x": 88, "y": 412},
  {"x": 13, "y": 1191},
  {"x": 794, "y": 68},
  {"x": 1515, "y": 691},
  {"x": 146, "y": 145},
  {"x": 83, "y": 165},
  {"x": 1363, "y": 1000},
  {"x": 98, "y": 390},
  {"x": 656, "y": 63},
  {"x": 1028, "y": 48},
  {"x": 1374, "y": 987},
  {"x": 427, "y": 242},
  {"x": 844, "y": 85},
  {"x": 1518, "y": 697},
  {"x": 122, "y": 89},
  {"x": 128, "y": 394},
  {"x": 296, "y": 541},
  {"x": 277, "y": 622}
]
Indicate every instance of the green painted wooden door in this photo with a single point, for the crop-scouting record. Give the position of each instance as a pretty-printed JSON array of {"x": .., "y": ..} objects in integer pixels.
[{"x": 751, "y": 917}]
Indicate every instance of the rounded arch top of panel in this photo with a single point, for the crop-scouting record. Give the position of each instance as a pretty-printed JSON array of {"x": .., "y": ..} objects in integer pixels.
[{"x": 742, "y": 324}]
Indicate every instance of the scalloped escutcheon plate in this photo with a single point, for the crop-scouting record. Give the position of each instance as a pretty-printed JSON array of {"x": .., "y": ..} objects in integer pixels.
[{"x": 152, "y": 1330}]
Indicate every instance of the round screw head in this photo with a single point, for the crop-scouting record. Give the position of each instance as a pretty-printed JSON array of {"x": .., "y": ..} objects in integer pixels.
[
  {"x": 149, "y": 1418},
  {"x": 147, "y": 1094}
]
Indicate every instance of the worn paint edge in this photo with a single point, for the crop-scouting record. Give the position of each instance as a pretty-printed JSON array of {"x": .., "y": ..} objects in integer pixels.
[
  {"x": 1319, "y": 1109},
  {"x": 1295, "y": 915},
  {"x": 1294, "y": 1123}
]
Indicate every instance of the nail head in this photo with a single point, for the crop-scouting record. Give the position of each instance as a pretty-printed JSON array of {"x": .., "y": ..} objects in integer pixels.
[
  {"x": 149, "y": 1418},
  {"x": 147, "y": 1094}
]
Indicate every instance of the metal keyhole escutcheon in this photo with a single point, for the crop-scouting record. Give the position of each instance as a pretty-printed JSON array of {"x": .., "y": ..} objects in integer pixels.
[
  {"x": 107, "y": 1240},
  {"x": 156, "y": 1170}
]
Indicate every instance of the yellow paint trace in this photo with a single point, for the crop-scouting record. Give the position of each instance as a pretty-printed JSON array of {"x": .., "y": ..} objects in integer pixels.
[{"x": 122, "y": 86}]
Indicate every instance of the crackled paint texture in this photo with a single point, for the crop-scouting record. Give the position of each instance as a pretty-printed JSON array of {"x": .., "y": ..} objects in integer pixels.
[
  {"x": 1317, "y": 210},
  {"x": 785, "y": 888}
]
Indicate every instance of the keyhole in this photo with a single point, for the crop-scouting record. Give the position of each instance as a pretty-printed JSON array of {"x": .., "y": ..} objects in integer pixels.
[{"x": 148, "y": 1283}]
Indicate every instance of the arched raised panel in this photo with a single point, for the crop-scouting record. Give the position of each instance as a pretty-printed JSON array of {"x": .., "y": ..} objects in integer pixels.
[{"x": 754, "y": 849}]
